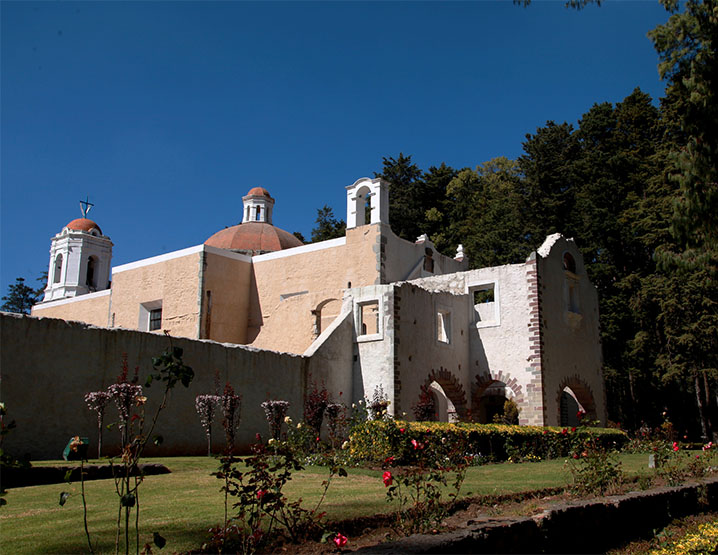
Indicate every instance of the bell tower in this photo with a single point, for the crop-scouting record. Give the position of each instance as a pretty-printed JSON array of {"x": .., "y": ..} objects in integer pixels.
[
  {"x": 80, "y": 257},
  {"x": 367, "y": 202}
]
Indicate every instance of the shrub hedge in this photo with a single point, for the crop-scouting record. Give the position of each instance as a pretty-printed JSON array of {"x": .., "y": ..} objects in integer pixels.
[{"x": 375, "y": 440}]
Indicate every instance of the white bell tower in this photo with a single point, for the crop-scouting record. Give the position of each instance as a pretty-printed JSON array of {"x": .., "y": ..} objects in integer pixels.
[
  {"x": 371, "y": 194},
  {"x": 258, "y": 206},
  {"x": 80, "y": 257}
]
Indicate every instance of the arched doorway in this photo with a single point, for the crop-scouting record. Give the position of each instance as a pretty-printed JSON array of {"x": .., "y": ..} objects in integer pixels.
[
  {"x": 575, "y": 396},
  {"x": 490, "y": 395},
  {"x": 447, "y": 394},
  {"x": 325, "y": 313}
]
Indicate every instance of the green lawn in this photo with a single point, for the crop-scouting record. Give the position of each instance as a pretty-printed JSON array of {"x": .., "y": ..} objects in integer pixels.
[{"x": 181, "y": 506}]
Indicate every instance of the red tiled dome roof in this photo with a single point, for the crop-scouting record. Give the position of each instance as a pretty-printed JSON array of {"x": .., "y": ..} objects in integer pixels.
[
  {"x": 83, "y": 224},
  {"x": 257, "y": 237},
  {"x": 259, "y": 191}
]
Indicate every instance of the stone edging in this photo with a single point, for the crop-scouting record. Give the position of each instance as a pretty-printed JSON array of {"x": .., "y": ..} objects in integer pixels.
[{"x": 587, "y": 526}]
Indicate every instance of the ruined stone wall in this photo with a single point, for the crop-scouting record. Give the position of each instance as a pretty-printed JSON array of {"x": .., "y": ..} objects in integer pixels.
[
  {"x": 48, "y": 365},
  {"x": 570, "y": 331},
  {"x": 499, "y": 335},
  {"x": 420, "y": 357}
]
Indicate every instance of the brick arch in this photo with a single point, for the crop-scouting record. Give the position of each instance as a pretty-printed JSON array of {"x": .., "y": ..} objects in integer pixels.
[
  {"x": 484, "y": 381},
  {"x": 583, "y": 393},
  {"x": 452, "y": 388}
]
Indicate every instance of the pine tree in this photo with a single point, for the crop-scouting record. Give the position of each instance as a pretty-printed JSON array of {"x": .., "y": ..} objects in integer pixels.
[{"x": 20, "y": 297}]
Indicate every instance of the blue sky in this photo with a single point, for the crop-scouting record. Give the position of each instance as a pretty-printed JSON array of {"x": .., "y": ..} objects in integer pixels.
[{"x": 167, "y": 113}]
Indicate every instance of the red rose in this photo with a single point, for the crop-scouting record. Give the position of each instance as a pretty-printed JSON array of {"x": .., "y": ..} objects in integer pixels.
[
  {"x": 261, "y": 493},
  {"x": 388, "y": 478},
  {"x": 573, "y": 429},
  {"x": 340, "y": 540}
]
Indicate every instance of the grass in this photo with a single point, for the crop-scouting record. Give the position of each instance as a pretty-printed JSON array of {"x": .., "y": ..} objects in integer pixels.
[{"x": 183, "y": 505}]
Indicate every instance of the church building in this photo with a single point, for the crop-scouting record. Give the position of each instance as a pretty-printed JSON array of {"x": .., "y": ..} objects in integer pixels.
[{"x": 387, "y": 314}]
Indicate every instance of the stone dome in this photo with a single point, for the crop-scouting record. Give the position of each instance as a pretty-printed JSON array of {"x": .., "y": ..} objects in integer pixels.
[
  {"x": 83, "y": 224},
  {"x": 253, "y": 238}
]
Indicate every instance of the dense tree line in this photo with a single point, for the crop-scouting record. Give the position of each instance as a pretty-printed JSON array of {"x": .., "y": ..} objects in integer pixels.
[{"x": 635, "y": 184}]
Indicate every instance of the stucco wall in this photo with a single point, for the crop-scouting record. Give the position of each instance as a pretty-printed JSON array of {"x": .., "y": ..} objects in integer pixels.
[
  {"x": 420, "y": 357},
  {"x": 403, "y": 260},
  {"x": 174, "y": 282},
  {"x": 48, "y": 366},
  {"x": 500, "y": 350},
  {"x": 92, "y": 308},
  {"x": 373, "y": 354},
  {"x": 330, "y": 359},
  {"x": 227, "y": 278},
  {"x": 287, "y": 286},
  {"x": 571, "y": 341}
]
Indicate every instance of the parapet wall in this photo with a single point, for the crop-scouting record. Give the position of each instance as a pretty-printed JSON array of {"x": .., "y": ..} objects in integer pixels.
[{"x": 48, "y": 366}]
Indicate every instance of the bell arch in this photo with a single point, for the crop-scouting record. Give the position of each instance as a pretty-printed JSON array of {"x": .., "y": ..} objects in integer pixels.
[{"x": 367, "y": 194}]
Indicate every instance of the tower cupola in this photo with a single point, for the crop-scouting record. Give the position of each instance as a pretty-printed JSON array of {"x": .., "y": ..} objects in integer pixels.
[
  {"x": 80, "y": 258},
  {"x": 258, "y": 205}
]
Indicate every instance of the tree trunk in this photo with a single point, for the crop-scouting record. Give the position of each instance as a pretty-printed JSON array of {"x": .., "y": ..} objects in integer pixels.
[{"x": 701, "y": 409}]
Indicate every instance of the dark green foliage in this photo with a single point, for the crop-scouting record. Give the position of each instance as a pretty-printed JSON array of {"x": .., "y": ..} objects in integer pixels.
[
  {"x": 327, "y": 226},
  {"x": 20, "y": 298}
]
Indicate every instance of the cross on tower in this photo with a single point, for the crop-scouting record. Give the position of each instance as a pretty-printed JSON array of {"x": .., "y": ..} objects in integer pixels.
[{"x": 85, "y": 206}]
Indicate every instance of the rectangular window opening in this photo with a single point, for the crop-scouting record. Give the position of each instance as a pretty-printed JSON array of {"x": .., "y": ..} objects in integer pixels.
[
  {"x": 484, "y": 298},
  {"x": 369, "y": 318},
  {"x": 443, "y": 326}
]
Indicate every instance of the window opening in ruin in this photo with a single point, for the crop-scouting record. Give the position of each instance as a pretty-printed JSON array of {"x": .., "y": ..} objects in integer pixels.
[
  {"x": 573, "y": 305},
  {"x": 369, "y": 318},
  {"x": 155, "y": 319},
  {"x": 91, "y": 270},
  {"x": 443, "y": 326},
  {"x": 569, "y": 264},
  {"x": 484, "y": 298},
  {"x": 429, "y": 260},
  {"x": 58, "y": 269},
  {"x": 569, "y": 408}
]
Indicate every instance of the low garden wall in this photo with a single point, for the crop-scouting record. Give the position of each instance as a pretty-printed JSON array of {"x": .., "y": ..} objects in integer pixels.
[{"x": 592, "y": 526}]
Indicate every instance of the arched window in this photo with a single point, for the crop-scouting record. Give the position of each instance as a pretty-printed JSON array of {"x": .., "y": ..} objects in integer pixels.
[
  {"x": 58, "y": 269},
  {"x": 569, "y": 264},
  {"x": 91, "y": 272},
  {"x": 259, "y": 213},
  {"x": 248, "y": 217}
]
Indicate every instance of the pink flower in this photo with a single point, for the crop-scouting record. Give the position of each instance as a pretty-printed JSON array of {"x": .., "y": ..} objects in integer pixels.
[
  {"x": 388, "y": 479},
  {"x": 415, "y": 444},
  {"x": 675, "y": 446},
  {"x": 340, "y": 540},
  {"x": 261, "y": 493},
  {"x": 317, "y": 438},
  {"x": 401, "y": 430}
]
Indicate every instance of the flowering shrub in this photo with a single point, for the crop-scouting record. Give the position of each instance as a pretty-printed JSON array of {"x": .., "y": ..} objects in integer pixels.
[
  {"x": 374, "y": 441},
  {"x": 425, "y": 408},
  {"x": 205, "y": 405},
  {"x": 314, "y": 406},
  {"x": 595, "y": 469},
  {"x": 97, "y": 401},
  {"x": 231, "y": 404},
  {"x": 124, "y": 394},
  {"x": 703, "y": 540},
  {"x": 378, "y": 405},
  {"x": 416, "y": 490},
  {"x": 275, "y": 411},
  {"x": 262, "y": 508}
]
